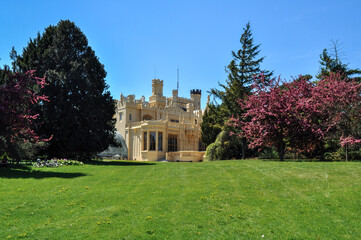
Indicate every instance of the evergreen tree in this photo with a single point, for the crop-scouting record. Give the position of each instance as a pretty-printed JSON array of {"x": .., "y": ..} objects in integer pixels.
[
  {"x": 211, "y": 124},
  {"x": 80, "y": 112},
  {"x": 241, "y": 71},
  {"x": 331, "y": 63}
]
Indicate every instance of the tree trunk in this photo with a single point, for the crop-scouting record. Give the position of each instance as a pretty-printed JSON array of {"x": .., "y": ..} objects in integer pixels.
[
  {"x": 322, "y": 152},
  {"x": 281, "y": 150},
  {"x": 244, "y": 148},
  {"x": 346, "y": 151},
  {"x": 282, "y": 154}
]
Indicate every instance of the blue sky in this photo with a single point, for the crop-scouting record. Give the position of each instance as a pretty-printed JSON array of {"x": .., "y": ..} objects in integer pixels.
[{"x": 138, "y": 40}]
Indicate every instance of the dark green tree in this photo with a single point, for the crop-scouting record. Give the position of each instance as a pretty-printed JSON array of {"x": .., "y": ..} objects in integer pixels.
[
  {"x": 331, "y": 63},
  {"x": 211, "y": 124},
  {"x": 241, "y": 71},
  {"x": 80, "y": 112}
]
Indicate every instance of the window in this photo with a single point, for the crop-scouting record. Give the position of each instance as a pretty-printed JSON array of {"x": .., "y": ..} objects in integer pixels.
[
  {"x": 130, "y": 117},
  {"x": 145, "y": 135},
  {"x": 152, "y": 141},
  {"x": 147, "y": 117},
  {"x": 120, "y": 117},
  {"x": 172, "y": 143},
  {"x": 174, "y": 120},
  {"x": 160, "y": 141}
]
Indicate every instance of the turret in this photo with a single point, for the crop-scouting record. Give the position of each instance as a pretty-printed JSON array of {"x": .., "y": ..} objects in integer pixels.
[
  {"x": 157, "y": 99},
  {"x": 157, "y": 87},
  {"x": 196, "y": 97}
]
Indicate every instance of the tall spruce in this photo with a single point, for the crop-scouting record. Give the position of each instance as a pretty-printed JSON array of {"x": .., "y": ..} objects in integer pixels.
[
  {"x": 80, "y": 112},
  {"x": 331, "y": 63},
  {"x": 241, "y": 71}
]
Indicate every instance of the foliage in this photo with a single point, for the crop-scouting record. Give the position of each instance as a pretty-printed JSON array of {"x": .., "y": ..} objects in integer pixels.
[
  {"x": 333, "y": 64},
  {"x": 339, "y": 98},
  {"x": 211, "y": 124},
  {"x": 268, "y": 153},
  {"x": 29, "y": 150},
  {"x": 241, "y": 71},
  {"x": 276, "y": 115},
  {"x": 81, "y": 109},
  {"x": 17, "y": 93},
  {"x": 211, "y": 152},
  {"x": 300, "y": 115},
  {"x": 211, "y": 200},
  {"x": 225, "y": 147}
]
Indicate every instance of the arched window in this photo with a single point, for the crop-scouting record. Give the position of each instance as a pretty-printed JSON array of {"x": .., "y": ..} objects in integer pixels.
[
  {"x": 147, "y": 117},
  {"x": 120, "y": 117}
]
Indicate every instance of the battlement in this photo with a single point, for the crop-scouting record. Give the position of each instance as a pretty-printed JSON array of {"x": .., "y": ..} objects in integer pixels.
[
  {"x": 196, "y": 91},
  {"x": 157, "y": 81},
  {"x": 157, "y": 87}
]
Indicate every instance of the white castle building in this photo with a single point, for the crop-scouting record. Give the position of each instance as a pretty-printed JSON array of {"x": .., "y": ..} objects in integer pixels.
[{"x": 162, "y": 128}]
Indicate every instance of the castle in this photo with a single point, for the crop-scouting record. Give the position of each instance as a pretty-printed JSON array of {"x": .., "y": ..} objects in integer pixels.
[{"x": 164, "y": 128}]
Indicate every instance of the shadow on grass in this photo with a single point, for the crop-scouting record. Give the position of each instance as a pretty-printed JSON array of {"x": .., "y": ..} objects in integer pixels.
[
  {"x": 23, "y": 171},
  {"x": 119, "y": 163}
]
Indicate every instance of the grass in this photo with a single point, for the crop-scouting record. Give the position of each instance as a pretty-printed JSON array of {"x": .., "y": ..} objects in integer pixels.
[{"x": 212, "y": 200}]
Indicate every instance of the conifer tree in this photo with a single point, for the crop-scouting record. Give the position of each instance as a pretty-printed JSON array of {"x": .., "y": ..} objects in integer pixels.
[
  {"x": 211, "y": 124},
  {"x": 331, "y": 63},
  {"x": 80, "y": 110},
  {"x": 241, "y": 71}
]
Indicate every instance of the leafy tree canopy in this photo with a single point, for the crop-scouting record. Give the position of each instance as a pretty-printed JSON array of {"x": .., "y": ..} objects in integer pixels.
[
  {"x": 17, "y": 93},
  {"x": 80, "y": 110},
  {"x": 300, "y": 115}
]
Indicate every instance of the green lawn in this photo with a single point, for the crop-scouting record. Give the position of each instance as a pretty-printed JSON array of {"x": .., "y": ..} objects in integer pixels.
[{"x": 211, "y": 200}]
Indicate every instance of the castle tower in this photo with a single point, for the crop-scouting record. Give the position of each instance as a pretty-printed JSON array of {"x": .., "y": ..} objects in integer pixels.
[
  {"x": 157, "y": 87},
  {"x": 196, "y": 97},
  {"x": 157, "y": 99}
]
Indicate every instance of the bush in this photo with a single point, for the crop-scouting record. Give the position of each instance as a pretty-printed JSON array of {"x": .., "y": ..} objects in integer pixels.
[
  {"x": 268, "y": 153},
  {"x": 225, "y": 147},
  {"x": 354, "y": 154},
  {"x": 213, "y": 152}
]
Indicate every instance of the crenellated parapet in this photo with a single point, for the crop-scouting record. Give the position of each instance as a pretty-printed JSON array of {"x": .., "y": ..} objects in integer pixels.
[
  {"x": 157, "y": 87},
  {"x": 196, "y": 91}
]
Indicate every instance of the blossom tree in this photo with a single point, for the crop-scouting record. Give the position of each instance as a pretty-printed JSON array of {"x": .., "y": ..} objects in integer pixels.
[
  {"x": 299, "y": 115},
  {"x": 17, "y": 93},
  {"x": 340, "y": 100},
  {"x": 280, "y": 116}
]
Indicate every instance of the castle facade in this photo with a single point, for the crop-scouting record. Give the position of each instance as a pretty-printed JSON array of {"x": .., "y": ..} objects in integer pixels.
[{"x": 163, "y": 128}]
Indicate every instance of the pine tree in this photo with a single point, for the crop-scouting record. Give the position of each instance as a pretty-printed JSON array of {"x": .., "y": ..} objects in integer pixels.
[
  {"x": 241, "y": 71},
  {"x": 211, "y": 125},
  {"x": 80, "y": 112},
  {"x": 331, "y": 63}
]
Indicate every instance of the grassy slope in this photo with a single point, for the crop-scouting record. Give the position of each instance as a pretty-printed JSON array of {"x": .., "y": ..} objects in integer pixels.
[{"x": 216, "y": 200}]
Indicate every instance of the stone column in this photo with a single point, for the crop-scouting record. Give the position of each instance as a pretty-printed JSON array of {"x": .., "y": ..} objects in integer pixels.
[
  {"x": 148, "y": 138},
  {"x": 142, "y": 141},
  {"x": 164, "y": 139},
  {"x": 156, "y": 141}
]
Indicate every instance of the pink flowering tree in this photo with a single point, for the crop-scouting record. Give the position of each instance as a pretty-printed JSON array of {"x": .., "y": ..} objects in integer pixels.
[
  {"x": 340, "y": 100},
  {"x": 280, "y": 116},
  {"x": 17, "y": 93},
  {"x": 299, "y": 115}
]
